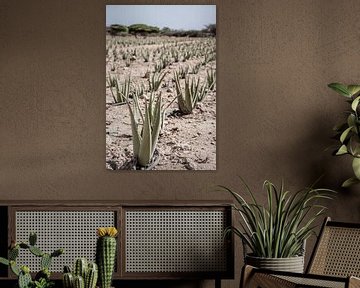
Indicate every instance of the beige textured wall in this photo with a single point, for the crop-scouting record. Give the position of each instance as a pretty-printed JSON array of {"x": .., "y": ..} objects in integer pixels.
[{"x": 275, "y": 113}]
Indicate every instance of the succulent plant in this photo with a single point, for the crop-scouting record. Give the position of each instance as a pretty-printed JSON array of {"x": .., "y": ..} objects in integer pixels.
[
  {"x": 211, "y": 79},
  {"x": 155, "y": 81},
  {"x": 146, "y": 128},
  {"x": 42, "y": 278},
  {"x": 194, "y": 92},
  {"x": 106, "y": 254},
  {"x": 85, "y": 275},
  {"x": 349, "y": 132},
  {"x": 120, "y": 92}
]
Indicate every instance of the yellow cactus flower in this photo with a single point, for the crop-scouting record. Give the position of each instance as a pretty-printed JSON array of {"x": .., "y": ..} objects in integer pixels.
[{"x": 106, "y": 231}]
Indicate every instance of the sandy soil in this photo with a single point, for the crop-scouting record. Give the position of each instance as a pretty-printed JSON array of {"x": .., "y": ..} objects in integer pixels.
[{"x": 187, "y": 142}]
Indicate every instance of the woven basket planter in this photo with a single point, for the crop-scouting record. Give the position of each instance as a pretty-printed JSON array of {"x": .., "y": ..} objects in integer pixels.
[{"x": 291, "y": 264}]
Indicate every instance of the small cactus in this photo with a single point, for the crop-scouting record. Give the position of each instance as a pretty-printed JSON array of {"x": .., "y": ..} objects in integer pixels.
[
  {"x": 91, "y": 276},
  {"x": 80, "y": 268},
  {"x": 79, "y": 282},
  {"x": 84, "y": 276},
  {"x": 105, "y": 254}
]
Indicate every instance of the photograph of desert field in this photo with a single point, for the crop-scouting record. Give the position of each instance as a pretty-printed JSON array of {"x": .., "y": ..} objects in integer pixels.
[{"x": 161, "y": 87}]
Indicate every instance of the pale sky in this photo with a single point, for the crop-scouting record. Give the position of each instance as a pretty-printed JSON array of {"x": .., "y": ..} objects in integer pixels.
[{"x": 185, "y": 17}]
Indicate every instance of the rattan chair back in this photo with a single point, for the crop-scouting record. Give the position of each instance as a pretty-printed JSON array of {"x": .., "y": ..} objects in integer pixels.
[{"x": 337, "y": 252}]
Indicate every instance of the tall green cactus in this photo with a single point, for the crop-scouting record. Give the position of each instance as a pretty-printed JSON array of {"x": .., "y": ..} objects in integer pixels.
[{"x": 106, "y": 254}]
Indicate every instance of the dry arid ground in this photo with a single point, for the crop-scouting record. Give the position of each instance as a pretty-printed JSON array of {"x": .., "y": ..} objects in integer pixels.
[{"x": 187, "y": 142}]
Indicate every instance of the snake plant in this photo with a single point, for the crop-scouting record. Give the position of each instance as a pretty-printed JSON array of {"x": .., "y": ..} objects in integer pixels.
[
  {"x": 279, "y": 228},
  {"x": 349, "y": 131}
]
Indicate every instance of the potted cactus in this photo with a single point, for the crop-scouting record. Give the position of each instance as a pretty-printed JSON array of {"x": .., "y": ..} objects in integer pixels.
[
  {"x": 348, "y": 133},
  {"x": 84, "y": 275},
  {"x": 106, "y": 254},
  {"x": 42, "y": 278}
]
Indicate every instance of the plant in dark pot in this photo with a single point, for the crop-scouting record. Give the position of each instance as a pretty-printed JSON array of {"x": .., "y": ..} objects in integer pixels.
[
  {"x": 348, "y": 132},
  {"x": 274, "y": 234}
]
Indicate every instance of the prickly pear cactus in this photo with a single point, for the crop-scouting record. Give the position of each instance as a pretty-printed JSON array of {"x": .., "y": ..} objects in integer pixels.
[
  {"x": 24, "y": 280},
  {"x": 106, "y": 254}
]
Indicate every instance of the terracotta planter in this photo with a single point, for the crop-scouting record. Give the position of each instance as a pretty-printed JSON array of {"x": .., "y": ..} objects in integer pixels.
[{"x": 291, "y": 264}]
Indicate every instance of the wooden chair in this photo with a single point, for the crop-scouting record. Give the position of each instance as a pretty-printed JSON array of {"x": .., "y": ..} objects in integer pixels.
[{"x": 335, "y": 262}]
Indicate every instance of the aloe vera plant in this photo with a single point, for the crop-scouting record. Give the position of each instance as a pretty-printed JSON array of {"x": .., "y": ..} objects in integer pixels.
[
  {"x": 211, "y": 79},
  {"x": 146, "y": 127},
  {"x": 121, "y": 92},
  {"x": 279, "y": 229},
  {"x": 349, "y": 131},
  {"x": 155, "y": 81},
  {"x": 194, "y": 92}
]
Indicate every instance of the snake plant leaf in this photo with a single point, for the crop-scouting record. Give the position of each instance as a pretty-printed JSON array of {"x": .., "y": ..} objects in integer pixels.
[
  {"x": 353, "y": 89},
  {"x": 145, "y": 155},
  {"x": 349, "y": 182},
  {"x": 340, "y": 88},
  {"x": 342, "y": 150},
  {"x": 355, "y": 103},
  {"x": 356, "y": 167},
  {"x": 345, "y": 134}
]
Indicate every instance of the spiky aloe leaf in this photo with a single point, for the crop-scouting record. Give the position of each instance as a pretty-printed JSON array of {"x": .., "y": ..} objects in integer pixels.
[
  {"x": 135, "y": 131},
  {"x": 157, "y": 123},
  {"x": 145, "y": 156},
  {"x": 32, "y": 238}
]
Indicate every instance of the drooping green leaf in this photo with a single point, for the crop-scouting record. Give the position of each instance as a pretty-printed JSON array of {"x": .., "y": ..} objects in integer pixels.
[
  {"x": 353, "y": 89},
  {"x": 349, "y": 182},
  {"x": 340, "y": 88},
  {"x": 345, "y": 134},
  {"x": 355, "y": 103},
  {"x": 356, "y": 167},
  {"x": 145, "y": 155},
  {"x": 342, "y": 150}
]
